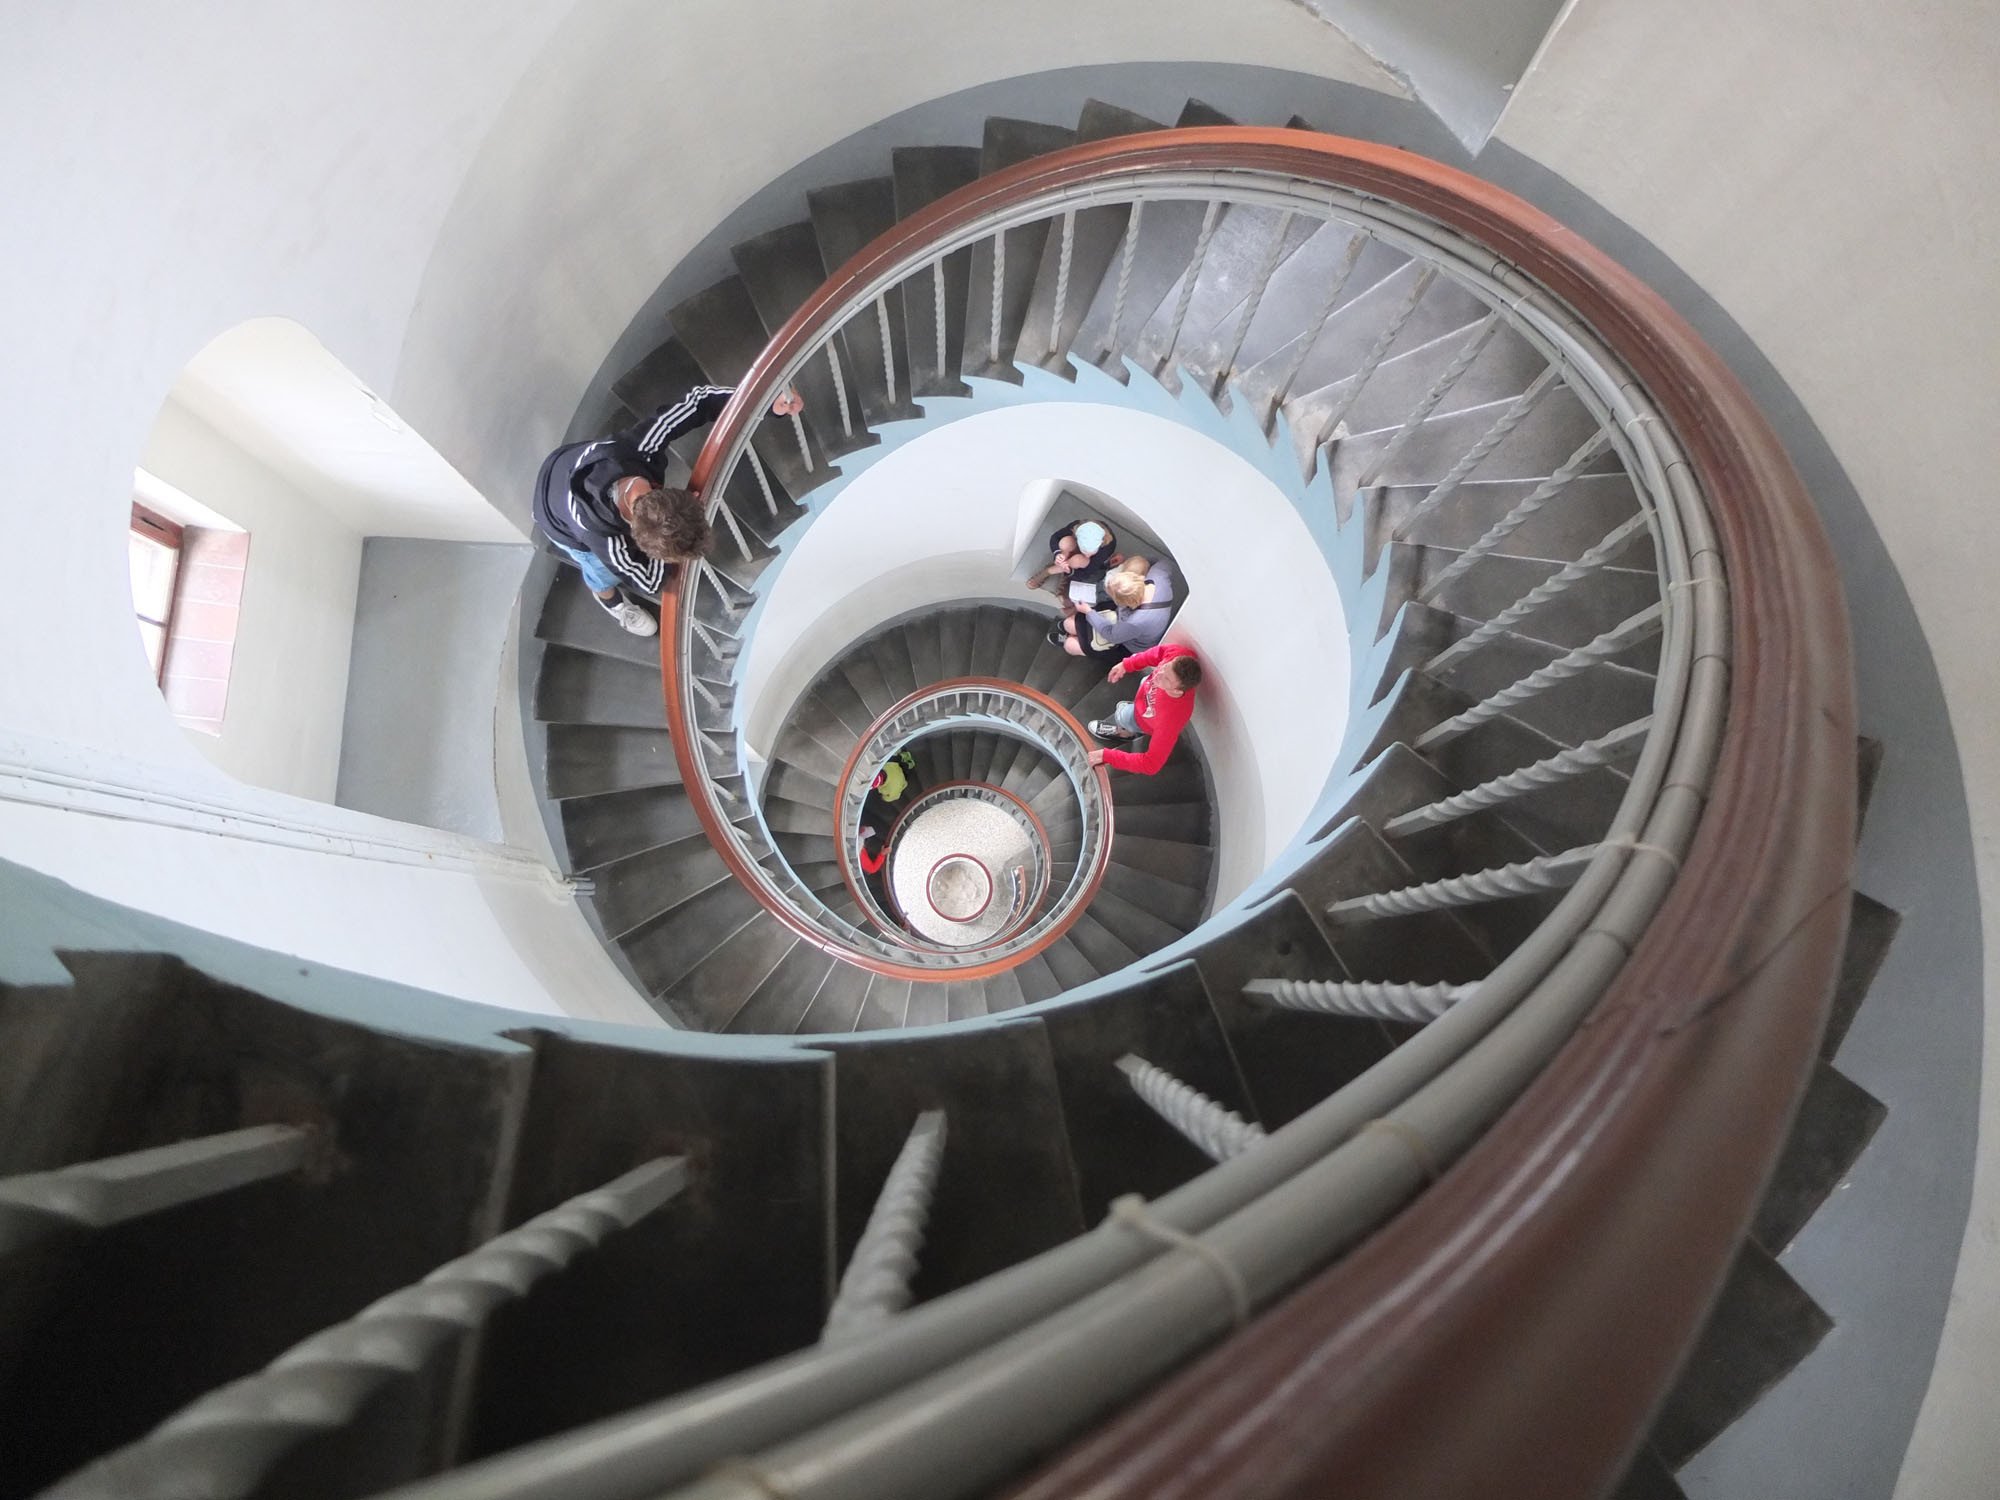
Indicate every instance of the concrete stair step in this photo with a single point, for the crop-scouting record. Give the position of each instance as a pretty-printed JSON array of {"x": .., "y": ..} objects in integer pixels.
[
  {"x": 641, "y": 887},
  {"x": 1118, "y": 1144},
  {"x": 583, "y": 760},
  {"x": 1006, "y": 1190},
  {"x": 1007, "y": 142},
  {"x": 922, "y": 175},
  {"x": 711, "y": 994},
  {"x": 600, "y": 830},
  {"x": 580, "y": 687},
  {"x": 1763, "y": 1324},
  {"x": 142, "y": 1051},
  {"x": 1289, "y": 1060},
  {"x": 1095, "y": 240},
  {"x": 781, "y": 268},
  {"x": 721, "y": 329},
  {"x": 845, "y": 217},
  {"x": 746, "y": 1244}
]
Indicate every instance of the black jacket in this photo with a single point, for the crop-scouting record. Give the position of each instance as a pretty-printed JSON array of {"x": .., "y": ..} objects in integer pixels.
[{"x": 573, "y": 501}]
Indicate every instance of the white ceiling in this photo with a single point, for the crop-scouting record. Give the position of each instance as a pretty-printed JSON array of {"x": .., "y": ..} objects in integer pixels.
[{"x": 273, "y": 389}]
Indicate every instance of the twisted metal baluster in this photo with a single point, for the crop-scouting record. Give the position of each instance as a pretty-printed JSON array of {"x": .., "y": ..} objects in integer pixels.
[
  {"x": 1217, "y": 1132},
  {"x": 1516, "y": 413},
  {"x": 799, "y": 432},
  {"x": 937, "y": 311},
  {"x": 1553, "y": 770},
  {"x": 709, "y": 572},
  {"x": 222, "y": 1445},
  {"x": 839, "y": 390},
  {"x": 1188, "y": 280},
  {"x": 1366, "y": 999},
  {"x": 96, "y": 1194},
  {"x": 999, "y": 290},
  {"x": 1549, "y": 588},
  {"x": 1529, "y": 506},
  {"x": 1265, "y": 270},
  {"x": 709, "y": 640},
  {"x": 888, "y": 345},
  {"x": 1311, "y": 336},
  {"x": 1062, "y": 280},
  {"x": 1618, "y": 638},
  {"x": 1379, "y": 351},
  {"x": 735, "y": 530},
  {"x": 763, "y": 479},
  {"x": 1440, "y": 388},
  {"x": 1124, "y": 275},
  {"x": 876, "y": 1285},
  {"x": 1545, "y": 872},
  {"x": 707, "y": 696}
]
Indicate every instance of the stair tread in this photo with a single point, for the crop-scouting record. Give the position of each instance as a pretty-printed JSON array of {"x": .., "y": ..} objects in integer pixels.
[
  {"x": 1763, "y": 1324},
  {"x": 1290, "y": 1060},
  {"x": 1119, "y": 1145},
  {"x": 615, "y": 825},
  {"x": 1006, "y": 1190},
  {"x": 746, "y": 1242},
  {"x": 584, "y": 760}
]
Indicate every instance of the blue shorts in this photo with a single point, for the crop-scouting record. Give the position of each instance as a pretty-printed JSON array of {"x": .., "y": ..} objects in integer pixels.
[{"x": 597, "y": 575}]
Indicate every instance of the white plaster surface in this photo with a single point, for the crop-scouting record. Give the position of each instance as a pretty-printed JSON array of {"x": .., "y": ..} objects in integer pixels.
[
  {"x": 272, "y": 388},
  {"x": 1261, "y": 604},
  {"x": 450, "y": 198},
  {"x": 288, "y": 673},
  {"x": 1830, "y": 173}
]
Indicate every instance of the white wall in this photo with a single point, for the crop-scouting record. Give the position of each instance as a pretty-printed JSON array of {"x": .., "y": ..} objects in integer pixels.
[
  {"x": 1273, "y": 699},
  {"x": 448, "y": 197},
  {"x": 288, "y": 673},
  {"x": 1829, "y": 171},
  {"x": 585, "y": 194}
]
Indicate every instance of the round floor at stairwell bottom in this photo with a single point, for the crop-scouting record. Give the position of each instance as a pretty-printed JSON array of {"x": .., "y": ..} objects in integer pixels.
[{"x": 948, "y": 860}]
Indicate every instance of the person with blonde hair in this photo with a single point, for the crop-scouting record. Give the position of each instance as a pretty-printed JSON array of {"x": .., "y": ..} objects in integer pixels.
[{"x": 1142, "y": 602}]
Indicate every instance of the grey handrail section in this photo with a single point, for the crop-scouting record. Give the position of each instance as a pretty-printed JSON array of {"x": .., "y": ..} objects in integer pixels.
[
  {"x": 97, "y": 1194},
  {"x": 1022, "y": 715},
  {"x": 223, "y": 1445},
  {"x": 909, "y": 1408}
]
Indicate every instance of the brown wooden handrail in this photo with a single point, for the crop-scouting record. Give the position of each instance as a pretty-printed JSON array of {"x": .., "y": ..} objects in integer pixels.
[{"x": 1511, "y": 1332}]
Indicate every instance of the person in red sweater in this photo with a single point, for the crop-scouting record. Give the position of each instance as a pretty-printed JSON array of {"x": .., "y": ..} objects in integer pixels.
[{"x": 1159, "y": 710}]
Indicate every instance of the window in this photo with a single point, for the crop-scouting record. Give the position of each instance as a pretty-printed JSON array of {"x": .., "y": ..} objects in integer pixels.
[{"x": 154, "y": 550}]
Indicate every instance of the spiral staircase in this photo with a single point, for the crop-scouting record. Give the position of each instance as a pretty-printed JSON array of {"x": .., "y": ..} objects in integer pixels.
[{"x": 1563, "y": 932}]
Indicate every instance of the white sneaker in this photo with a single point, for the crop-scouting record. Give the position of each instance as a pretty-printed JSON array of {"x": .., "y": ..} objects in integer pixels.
[{"x": 630, "y": 616}]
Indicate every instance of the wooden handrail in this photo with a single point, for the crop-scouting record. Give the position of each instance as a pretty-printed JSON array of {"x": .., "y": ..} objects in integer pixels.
[{"x": 1512, "y": 1330}]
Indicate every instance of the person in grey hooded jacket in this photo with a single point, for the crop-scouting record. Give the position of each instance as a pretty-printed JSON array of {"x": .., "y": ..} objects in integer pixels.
[{"x": 1142, "y": 595}]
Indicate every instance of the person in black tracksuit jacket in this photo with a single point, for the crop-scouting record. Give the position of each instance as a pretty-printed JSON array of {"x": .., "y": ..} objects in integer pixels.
[{"x": 605, "y": 503}]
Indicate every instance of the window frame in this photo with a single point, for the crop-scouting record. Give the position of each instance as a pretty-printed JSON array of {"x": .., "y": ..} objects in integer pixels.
[{"x": 168, "y": 533}]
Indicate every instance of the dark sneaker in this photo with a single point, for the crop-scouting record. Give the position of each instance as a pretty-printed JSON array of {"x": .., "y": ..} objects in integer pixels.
[{"x": 1104, "y": 729}]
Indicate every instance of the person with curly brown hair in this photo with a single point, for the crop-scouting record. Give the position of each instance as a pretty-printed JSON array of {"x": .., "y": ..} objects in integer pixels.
[{"x": 606, "y": 504}]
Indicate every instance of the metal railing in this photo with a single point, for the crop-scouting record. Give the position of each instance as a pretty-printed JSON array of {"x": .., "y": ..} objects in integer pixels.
[
  {"x": 1694, "y": 928},
  {"x": 1003, "y": 708},
  {"x": 1027, "y": 887},
  {"x": 1318, "y": 1185}
]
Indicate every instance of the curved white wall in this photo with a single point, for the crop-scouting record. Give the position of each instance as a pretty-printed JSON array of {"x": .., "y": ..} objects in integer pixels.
[
  {"x": 466, "y": 204},
  {"x": 1262, "y": 609},
  {"x": 1829, "y": 172}
]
